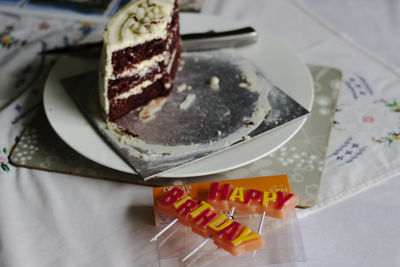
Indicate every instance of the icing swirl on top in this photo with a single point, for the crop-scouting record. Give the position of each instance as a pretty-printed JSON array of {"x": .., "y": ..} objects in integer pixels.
[
  {"x": 138, "y": 22},
  {"x": 143, "y": 21}
]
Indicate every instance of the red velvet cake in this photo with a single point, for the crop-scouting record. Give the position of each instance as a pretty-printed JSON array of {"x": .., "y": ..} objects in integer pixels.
[{"x": 140, "y": 56}]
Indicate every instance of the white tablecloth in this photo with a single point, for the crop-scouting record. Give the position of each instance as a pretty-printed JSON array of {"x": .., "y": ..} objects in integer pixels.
[
  {"x": 49, "y": 219},
  {"x": 360, "y": 231}
]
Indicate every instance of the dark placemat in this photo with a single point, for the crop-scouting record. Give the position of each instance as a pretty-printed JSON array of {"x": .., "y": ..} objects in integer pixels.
[
  {"x": 302, "y": 158},
  {"x": 39, "y": 147}
]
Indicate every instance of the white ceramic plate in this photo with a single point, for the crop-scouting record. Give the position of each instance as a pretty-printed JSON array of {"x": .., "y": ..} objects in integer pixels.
[{"x": 279, "y": 63}]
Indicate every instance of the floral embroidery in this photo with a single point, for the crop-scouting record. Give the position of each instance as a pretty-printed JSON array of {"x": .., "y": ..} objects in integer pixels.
[
  {"x": 26, "y": 113},
  {"x": 394, "y": 106},
  {"x": 395, "y": 134},
  {"x": 368, "y": 119},
  {"x": 342, "y": 146},
  {"x": 357, "y": 153},
  {"x": 18, "y": 107},
  {"x": 359, "y": 86},
  {"x": 44, "y": 26},
  {"x": 390, "y": 138},
  {"x": 7, "y": 40},
  {"x": 335, "y": 123},
  {"x": 348, "y": 152},
  {"x": 86, "y": 27},
  {"x": 4, "y": 160}
]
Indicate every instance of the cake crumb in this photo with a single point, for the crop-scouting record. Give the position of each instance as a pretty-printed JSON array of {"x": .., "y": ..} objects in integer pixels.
[
  {"x": 243, "y": 85},
  {"x": 219, "y": 133},
  {"x": 250, "y": 123},
  {"x": 189, "y": 99},
  {"x": 144, "y": 156},
  {"x": 246, "y": 137},
  {"x": 148, "y": 112},
  {"x": 182, "y": 87},
  {"x": 190, "y": 87},
  {"x": 214, "y": 82}
]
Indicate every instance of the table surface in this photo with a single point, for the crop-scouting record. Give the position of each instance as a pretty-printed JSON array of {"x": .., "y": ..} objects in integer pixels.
[{"x": 358, "y": 231}]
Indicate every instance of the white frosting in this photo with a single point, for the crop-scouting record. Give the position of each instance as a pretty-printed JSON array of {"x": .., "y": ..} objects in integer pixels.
[
  {"x": 139, "y": 88},
  {"x": 182, "y": 87},
  {"x": 143, "y": 67},
  {"x": 137, "y": 22},
  {"x": 214, "y": 82},
  {"x": 189, "y": 99},
  {"x": 243, "y": 85},
  {"x": 171, "y": 60}
]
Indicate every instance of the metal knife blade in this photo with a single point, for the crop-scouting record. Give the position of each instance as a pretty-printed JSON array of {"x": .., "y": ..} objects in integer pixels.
[{"x": 190, "y": 42}]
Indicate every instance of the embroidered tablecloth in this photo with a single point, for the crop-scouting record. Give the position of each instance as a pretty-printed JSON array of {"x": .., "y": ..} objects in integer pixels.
[{"x": 50, "y": 219}]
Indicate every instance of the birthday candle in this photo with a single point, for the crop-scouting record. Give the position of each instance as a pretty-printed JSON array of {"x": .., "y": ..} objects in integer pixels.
[
  {"x": 224, "y": 196},
  {"x": 205, "y": 221},
  {"x": 173, "y": 196},
  {"x": 226, "y": 233}
]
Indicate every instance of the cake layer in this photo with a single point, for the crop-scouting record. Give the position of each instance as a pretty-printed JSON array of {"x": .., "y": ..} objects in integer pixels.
[
  {"x": 151, "y": 56},
  {"x": 122, "y": 85},
  {"x": 138, "y": 89},
  {"x": 142, "y": 68},
  {"x": 127, "y": 58},
  {"x": 119, "y": 107}
]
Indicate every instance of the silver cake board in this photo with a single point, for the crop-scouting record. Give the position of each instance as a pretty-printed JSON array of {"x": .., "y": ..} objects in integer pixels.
[{"x": 197, "y": 119}]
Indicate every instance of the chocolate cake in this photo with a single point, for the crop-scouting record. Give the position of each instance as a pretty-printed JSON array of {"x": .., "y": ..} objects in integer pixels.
[{"x": 140, "y": 55}]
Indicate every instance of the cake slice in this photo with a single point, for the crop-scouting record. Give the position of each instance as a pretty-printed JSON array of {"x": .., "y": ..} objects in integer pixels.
[{"x": 140, "y": 55}]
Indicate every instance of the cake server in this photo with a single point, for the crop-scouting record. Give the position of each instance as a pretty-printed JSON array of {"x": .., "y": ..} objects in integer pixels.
[{"x": 190, "y": 42}]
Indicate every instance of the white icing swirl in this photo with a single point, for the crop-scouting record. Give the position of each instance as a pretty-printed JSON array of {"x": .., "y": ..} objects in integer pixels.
[{"x": 138, "y": 22}]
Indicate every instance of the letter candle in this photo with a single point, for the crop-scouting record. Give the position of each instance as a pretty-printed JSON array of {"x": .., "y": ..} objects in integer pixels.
[
  {"x": 251, "y": 201},
  {"x": 224, "y": 196},
  {"x": 205, "y": 240},
  {"x": 205, "y": 221},
  {"x": 171, "y": 198},
  {"x": 177, "y": 196}
]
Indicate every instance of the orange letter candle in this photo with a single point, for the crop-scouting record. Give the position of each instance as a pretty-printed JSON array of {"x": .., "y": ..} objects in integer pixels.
[
  {"x": 205, "y": 221},
  {"x": 252, "y": 201}
]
